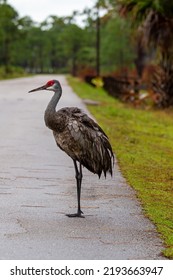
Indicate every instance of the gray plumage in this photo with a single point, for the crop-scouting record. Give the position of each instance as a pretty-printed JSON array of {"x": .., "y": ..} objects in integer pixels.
[{"x": 79, "y": 137}]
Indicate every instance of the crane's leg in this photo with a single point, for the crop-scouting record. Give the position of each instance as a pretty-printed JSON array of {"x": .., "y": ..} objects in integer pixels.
[{"x": 79, "y": 182}]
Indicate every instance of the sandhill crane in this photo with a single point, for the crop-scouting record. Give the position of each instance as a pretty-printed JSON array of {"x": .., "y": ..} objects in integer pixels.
[{"x": 79, "y": 136}]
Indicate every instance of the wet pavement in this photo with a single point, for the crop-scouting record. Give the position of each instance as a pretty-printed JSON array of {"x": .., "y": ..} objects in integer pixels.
[{"x": 37, "y": 189}]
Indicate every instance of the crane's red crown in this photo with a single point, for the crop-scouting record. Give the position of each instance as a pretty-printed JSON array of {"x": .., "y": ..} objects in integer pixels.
[{"x": 50, "y": 83}]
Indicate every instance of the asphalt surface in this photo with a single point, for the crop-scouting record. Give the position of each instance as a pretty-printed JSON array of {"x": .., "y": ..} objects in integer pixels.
[{"x": 37, "y": 188}]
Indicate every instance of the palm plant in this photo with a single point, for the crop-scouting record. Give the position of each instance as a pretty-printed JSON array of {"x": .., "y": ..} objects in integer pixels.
[{"x": 155, "y": 19}]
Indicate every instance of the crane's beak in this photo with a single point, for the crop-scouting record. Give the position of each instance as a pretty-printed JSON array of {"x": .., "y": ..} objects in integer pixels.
[{"x": 39, "y": 88}]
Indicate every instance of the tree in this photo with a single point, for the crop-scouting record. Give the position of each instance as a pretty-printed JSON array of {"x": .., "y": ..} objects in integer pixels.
[
  {"x": 8, "y": 33},
  {"x": 117, "y": 50},
  {"x": 98, "y": 39},
  {"x": 155, "y": 18},
  {"x": 73, "y": 42},
  {"x": 56, "y": 45}
]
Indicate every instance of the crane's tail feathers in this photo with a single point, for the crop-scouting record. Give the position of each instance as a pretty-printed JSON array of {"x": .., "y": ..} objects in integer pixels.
[
  {"x": 108, "y": 159},
  {"x": 105, "y": 158}
]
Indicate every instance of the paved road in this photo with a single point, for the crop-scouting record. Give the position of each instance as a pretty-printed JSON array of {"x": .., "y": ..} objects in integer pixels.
[{"x": 37, "y": 188}]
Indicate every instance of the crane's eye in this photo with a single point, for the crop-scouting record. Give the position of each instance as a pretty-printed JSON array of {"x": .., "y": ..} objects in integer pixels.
[{"x": 50, "y": 83}]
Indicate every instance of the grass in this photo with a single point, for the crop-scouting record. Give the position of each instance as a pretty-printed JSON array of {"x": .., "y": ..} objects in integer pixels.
[
  {"x": 13, "y": 72},
  {"x": 143, "y": 143}
]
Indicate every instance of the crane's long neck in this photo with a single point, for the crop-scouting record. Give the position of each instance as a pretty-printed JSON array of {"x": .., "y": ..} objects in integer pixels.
[{"x": 51, "y": 108}]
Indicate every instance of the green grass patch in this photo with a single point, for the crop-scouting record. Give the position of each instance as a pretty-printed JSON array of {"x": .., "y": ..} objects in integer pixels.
[
  {"x": 143, "y": 143},
  {"x": 13, "y": 72}
]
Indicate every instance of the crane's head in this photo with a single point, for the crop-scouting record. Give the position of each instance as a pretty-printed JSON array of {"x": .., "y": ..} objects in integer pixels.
[{"x": 52, "y": 85}]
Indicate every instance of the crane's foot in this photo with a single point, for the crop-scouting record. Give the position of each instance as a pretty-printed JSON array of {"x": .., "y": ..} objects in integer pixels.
[{"x": 76, "y": 215}]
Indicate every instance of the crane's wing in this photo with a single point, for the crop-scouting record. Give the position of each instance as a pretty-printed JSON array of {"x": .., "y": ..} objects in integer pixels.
[{"x": 85, "y": 141}]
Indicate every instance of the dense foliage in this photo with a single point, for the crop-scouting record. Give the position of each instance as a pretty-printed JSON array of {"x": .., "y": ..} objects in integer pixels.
[
  {"x": 132, "y": 39},
  {"x": 155, "y": 19},
  {"x": 59, "y": 44}
]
